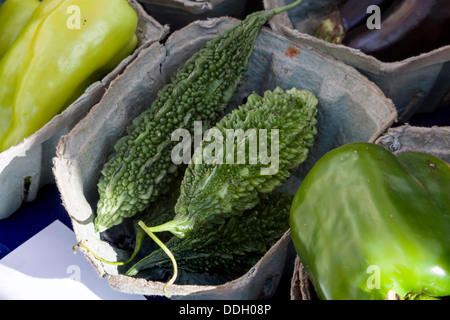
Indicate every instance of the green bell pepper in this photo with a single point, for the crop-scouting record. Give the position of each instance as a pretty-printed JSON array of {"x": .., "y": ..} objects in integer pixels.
[
  {"x": 14, "y": 15},
  {"x": 366, "y": 223},
  {"x": 54, "y": 59}
]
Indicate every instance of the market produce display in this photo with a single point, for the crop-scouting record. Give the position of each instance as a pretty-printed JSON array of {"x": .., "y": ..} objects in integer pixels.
[
  {"x": 367, "y": 223},
  {"x": 407, "y": 28},
  {"x": 210, "y": 193},
  {"x": 216, "y": 197},
  {"x": 52, "y": 62}
]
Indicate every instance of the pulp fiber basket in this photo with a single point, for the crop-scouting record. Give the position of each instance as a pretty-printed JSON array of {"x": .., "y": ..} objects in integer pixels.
[
  {"x": 416, "y": 85},
  {"x": 179, "y": 13}
]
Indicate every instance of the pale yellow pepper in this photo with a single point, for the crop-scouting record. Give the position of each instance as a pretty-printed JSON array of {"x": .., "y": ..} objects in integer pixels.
[
  {"x": 14, "y": 15},
  {"x": 65, "y": 46}
]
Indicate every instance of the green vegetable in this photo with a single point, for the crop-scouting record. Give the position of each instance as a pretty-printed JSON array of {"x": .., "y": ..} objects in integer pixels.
[
  {"x": 366, "y": 223},
  {"x": 215, "y": 195},
  {"x": 231, "y": 248},
  {"x": 212, "y": 192},
  {"x": 14, "y": 15},
  {"x": 200, "y": 90},
  {"x": 51, "y": 63},
  {"x": 162, "y": 211}
]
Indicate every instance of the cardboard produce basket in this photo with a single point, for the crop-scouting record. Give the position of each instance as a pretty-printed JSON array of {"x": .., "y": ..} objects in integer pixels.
[
  {"x": 434, "y": 140},
  {"x": 351, "y": 108},
  {"x": 179, "y": 13},
  {"x": 406, "y": 138},
  {"x": 27, "y": 166},
  {"x": 416, "y": 85}
]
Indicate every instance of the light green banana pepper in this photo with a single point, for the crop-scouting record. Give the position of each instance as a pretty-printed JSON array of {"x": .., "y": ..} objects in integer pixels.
[{"x": 65, "y": 46}]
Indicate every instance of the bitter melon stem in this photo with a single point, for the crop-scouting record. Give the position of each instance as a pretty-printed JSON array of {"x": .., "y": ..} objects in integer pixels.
[
  {"x": 139, "y": 238},
  {"x": 286, "y": 8},
  {"x": 178, "y": 227},
  {"x": 167, "y": 251}
]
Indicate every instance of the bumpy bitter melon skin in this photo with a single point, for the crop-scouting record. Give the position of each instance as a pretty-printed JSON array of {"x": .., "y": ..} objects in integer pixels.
[
  {"x": 141, "y": 167},
  {"x": 231, "y": 248},
  {"x": 212, "y": 192}
]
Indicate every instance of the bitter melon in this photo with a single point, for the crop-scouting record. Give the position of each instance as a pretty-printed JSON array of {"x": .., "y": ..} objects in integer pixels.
[
  {"x": 141, "y": 167},
  {"x": 212, "y": 192},
  {"x": 230, "y": 249}
]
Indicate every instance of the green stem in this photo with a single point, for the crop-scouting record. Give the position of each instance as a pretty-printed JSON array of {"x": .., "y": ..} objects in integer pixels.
[
  {"x": 287, "y": 7},
  {"x": 420, "y": 296},
  {"x": 139, "y": 238},
  {"x": 179, "y": 228},
  {"x": 167, "y": 251}
]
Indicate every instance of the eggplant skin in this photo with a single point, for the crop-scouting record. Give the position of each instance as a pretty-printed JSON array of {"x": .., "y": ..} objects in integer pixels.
[
  {"x": 408, "y": 28},
  {"x": 365, "y": 222},
  {"x": 345, "y": 17},
  {"x": 354, "y": 12}
]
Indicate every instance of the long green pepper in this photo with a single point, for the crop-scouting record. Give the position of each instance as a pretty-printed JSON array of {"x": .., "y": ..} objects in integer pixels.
[{"x": 200, "y": 90}]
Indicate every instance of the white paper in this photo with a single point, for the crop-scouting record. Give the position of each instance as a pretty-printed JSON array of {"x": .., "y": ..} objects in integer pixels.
[{"x": 45, "y": 268}]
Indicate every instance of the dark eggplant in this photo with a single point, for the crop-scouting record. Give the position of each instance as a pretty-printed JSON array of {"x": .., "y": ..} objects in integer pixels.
[
  {"x": 345, "y": 17},
  {"x": 408, "y": 28}
]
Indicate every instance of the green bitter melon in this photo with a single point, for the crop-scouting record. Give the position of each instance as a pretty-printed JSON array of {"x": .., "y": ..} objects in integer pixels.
[
  {"x": 141, "y": 167},
  {"x": 230, "y": 249},
  {"x": 161, "y": 212},
  {"x": 212, "y": 192}
]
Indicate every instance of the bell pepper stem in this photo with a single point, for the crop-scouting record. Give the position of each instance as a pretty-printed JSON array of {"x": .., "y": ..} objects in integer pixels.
[{"x": 420, "y": 296}]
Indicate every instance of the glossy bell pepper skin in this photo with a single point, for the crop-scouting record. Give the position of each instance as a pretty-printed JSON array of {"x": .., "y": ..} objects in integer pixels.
[
  {"x": 14, "y": 15},
  {"x": 51, "y": 63},
  {"x": 365, "y": 222}
]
